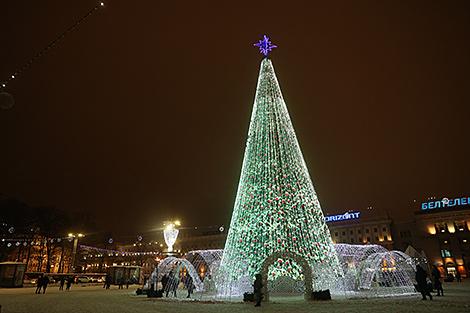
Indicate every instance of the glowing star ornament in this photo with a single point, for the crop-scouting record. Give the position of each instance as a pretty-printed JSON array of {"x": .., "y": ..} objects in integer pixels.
[
  {"x": 265, "y": 46},
  {"x": 277, "y": 214},
  {"x": 170, "y": 233}
]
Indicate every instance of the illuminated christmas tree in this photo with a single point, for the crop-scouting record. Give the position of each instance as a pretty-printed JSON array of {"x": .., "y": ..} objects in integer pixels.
[{"x": 276, "y": 208}]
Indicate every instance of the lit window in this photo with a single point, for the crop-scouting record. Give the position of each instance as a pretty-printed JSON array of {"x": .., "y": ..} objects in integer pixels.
[{"x": 446, "y": 253}]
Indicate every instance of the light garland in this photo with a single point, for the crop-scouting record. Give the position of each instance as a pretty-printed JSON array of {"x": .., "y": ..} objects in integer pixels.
[{"x": 52, "y": 44}]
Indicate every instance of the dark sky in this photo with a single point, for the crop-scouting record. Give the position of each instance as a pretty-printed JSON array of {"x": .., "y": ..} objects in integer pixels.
[{"x": 142, "y": 113}]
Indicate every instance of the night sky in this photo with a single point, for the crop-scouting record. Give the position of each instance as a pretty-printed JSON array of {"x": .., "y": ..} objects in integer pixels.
[{"x": 141, "y": 114}]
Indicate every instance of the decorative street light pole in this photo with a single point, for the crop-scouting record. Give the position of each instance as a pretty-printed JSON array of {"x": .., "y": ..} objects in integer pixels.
[
  {"x": 75, "y": 238},
  {"x": 170, "y": 233}
]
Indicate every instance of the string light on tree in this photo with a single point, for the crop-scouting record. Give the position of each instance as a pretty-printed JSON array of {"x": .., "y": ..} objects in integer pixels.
[{"x": 276, "y": 209}]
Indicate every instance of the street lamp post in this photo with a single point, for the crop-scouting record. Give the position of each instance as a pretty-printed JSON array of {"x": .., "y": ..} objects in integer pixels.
[
  {"x": 75, "y": 238},
  {"x": 170, "y": 233}
]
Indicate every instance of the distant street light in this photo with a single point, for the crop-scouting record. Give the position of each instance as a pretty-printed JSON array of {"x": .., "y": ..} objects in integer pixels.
[{"x": 75, "y": 247}]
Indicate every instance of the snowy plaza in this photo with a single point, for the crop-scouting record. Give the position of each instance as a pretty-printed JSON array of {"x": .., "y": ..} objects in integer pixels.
[
  {"x": 166, "y": 211},
  {"x": 97, "y": 299}
]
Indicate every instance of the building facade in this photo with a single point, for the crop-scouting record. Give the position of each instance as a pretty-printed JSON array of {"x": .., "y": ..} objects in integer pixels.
[
  {"x": 369, "y": 226},
  {"x": 440, "y": 229},
  {"x": 39, "y": 253}
]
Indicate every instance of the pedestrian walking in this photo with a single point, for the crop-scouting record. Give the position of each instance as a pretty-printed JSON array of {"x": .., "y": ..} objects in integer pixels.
[
  {"x": 458, "y": 277},
  {"x": 62, "y": 283},
  {"x": 120, "y": 282},
  {"x": 257, "y": 289},
  {"x": 108, "y": 281},
  {"x": 171, "y": 284},
  {"x": 421, "y": 280},
  {"x": 45, "y": 282},
  {"x": 39, "y": 284},
  {"x": 436, "y": 277},
  {"x": 189, "y": 284},
  {"x": 68, "y": 283},
  {"x": 164, "y": 282}
]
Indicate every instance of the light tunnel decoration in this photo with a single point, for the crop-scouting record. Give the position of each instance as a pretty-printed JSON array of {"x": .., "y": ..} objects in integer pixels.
[
  {"x": 201, "y": 265},
  {"x": 388, "y": 273},
  {"x": 276, "y": 208},
  {"x": 372, "y": 270},
  {"x": 369, "y": 271},
  {"x": 176, "y": 269},
  {"x": 206, "y": 262}
]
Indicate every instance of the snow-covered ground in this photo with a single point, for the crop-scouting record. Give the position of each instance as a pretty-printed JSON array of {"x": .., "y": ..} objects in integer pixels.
[{"x": 95, "y": 299}]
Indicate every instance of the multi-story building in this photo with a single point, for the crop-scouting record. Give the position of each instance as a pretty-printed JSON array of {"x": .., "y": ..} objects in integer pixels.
[
  {"x": 369, "y": 226},
  {"x": 441, "y": 230}
]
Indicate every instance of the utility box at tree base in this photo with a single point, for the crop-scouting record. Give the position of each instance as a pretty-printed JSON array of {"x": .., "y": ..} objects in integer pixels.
[
  {"x": 125, "y": 274},
  {"x": 12, "y": 274}
]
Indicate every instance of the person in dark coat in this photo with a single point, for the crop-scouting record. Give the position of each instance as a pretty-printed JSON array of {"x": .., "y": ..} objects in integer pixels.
[
  {"x": 164, "y": 281},
  {"x": 458, "y": 277},
  {"x": 68, "y": 283},
  {"x": 105, "y": 281},
  {"x": 61, "y": 283},
  {"x": 39, "y": 284},
  {"x": 421, "y": 280},
  {"x": 108, "y": 281},
  {"x": 257, "y": 289},
  {"x": 436, "y": 277},
  {"x": 188, "y": 283},
  {"x": 171, "y": 284},
  {"x": 45, "y": 282}
]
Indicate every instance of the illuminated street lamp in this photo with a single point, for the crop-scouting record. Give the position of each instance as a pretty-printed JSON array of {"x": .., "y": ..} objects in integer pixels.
[
  {"x": 170, "y": 233},
  {"x": 74, "y": 237}
]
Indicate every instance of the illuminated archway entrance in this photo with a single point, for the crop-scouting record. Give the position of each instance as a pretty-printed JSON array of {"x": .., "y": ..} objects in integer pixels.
[{"x": 306, "y": 271}]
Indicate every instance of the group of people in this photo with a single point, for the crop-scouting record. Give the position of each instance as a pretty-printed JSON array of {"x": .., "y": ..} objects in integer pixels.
[
  {"x": 425, "y": 286},
  {"x": 170, "y": 284},
  {"x": 68, "y": 282},
  {"x": 43, "y": 282},
  {"x": 121, "y": 282}
]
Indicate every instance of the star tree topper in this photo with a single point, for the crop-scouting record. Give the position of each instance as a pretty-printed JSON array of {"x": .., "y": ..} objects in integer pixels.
[{"x": 265, "y": 46}]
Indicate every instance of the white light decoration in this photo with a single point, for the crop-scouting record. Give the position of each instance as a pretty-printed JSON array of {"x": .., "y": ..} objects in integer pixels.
[
  {"x": 277, "y": 214},
  {"x": 170, "y": 233},
  {"x": 173, "y": 267},
  {"x": 373, "y": 271}
]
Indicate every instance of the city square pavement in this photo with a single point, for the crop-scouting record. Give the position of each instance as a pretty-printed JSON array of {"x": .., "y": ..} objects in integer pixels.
[{"x": 96, "y": 299}]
